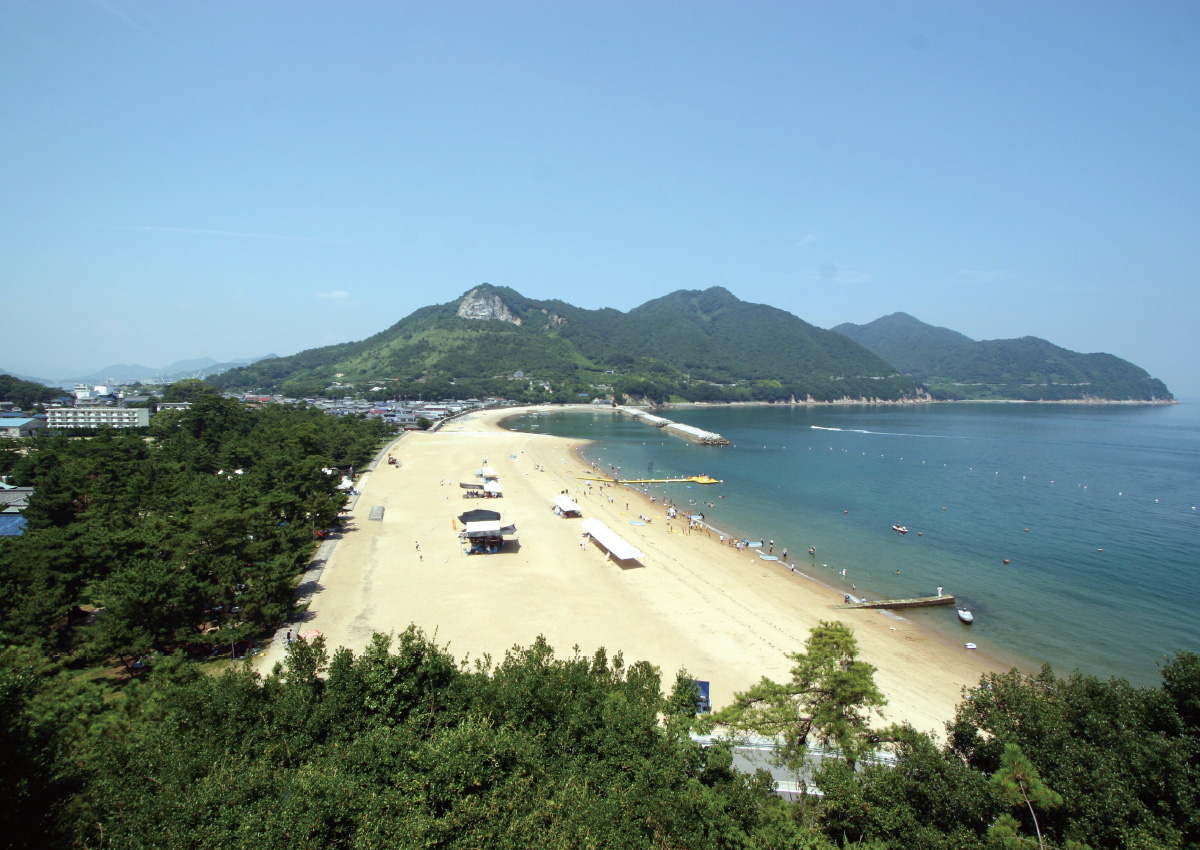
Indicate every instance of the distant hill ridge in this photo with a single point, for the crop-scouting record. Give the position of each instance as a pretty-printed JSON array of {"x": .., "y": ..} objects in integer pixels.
[
  {"x": 696, "y": 345},
  {"x": 953, "y": 366}
]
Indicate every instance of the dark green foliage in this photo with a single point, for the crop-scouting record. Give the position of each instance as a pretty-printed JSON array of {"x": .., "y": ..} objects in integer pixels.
[
  {"x": 699, "y": 346},
  {"x": 190, "y": 537},
  {"x": 954, "y": 366},
  {"x": 1083, "y": 762},
  {"x": 404, "y": 748}
]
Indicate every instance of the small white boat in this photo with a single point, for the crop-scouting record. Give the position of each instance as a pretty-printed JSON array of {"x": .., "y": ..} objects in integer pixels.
[
  {"x": 970, "y": 646},
  {"x": 966, "y": 616},
  {"x": 900, "y": 529}
]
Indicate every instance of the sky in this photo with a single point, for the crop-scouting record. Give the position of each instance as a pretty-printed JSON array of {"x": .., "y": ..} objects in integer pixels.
[{"x": 229, "y": 179}]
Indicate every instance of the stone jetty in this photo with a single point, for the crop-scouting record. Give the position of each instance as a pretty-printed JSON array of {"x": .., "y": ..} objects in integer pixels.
[{"x": 688, "y": 432}]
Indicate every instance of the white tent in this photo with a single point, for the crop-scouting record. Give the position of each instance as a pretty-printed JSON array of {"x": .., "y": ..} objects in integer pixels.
[
  {"x": 493, "y": 486},
  {"x": 566, "y": 504},
  {"x": 487, "y": 472},
  {"x": 484, "y": 528},
  {"x": 609, "y": 539}
]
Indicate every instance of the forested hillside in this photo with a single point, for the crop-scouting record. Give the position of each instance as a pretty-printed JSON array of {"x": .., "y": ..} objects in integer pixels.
[
  {"x": 689, "y": 345},
  {"x": 951, "y": 365},
  {"x": 25, "y": 394}
]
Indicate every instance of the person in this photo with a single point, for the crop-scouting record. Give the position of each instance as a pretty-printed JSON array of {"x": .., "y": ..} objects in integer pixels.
[
  {"x": 784, "y": 553},
  {"x": 771, "y": 548},
  {"x": 939, "y": 591},
  {"x": 812, "y": 550},
  {"x": 416, "y": 545},
  {"x": 289, "y": 636}
]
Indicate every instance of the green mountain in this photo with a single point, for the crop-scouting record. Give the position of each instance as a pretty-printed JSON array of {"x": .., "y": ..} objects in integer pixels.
[
  {"x": 691, "y": 345},
  {"x": 951, "y": 365}
]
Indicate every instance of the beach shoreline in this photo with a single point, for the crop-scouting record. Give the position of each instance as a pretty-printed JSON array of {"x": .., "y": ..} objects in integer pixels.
[{"x": 724, "y": 615}]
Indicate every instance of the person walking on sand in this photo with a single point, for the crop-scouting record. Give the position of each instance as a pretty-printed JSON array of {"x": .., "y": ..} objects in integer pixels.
[{"x": 416, "y": 545}]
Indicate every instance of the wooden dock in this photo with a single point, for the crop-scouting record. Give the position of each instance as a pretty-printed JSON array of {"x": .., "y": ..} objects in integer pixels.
[{"x": 923, "y": 602}]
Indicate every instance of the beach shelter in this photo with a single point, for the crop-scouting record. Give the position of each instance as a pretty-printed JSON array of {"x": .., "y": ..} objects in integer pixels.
[
  {"x": 492, "y": 487},
  {"x": 482, "y": 528},
  {"x": 466, "y": 486},
  {"x": 488, "y": 472},
  {"x": 566, "y": 505},
  {"x": 478, "y": 515},
  {"x": 610, "y": 540}
]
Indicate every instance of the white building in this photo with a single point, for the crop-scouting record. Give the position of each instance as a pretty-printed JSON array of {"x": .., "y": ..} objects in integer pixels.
[{"x": 98, "y": 417}]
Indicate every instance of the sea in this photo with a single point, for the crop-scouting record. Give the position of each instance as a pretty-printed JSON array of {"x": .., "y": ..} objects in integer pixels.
[{"x": 1071, "y": 532}]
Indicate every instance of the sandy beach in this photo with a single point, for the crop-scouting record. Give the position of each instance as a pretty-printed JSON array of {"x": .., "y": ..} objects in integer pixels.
[{"x": 725, "y": 615}]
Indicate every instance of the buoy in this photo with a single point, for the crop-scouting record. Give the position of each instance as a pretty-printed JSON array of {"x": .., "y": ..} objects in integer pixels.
[
  {"x": 1099, "y": 550},
  {"x": 845, "y": 512},
  {"x": 1027, "y": 531},
  {"x": 919, "y": 533},
  {"x": 1006, "y": 560},
  {"x": 943, "y": 509}
]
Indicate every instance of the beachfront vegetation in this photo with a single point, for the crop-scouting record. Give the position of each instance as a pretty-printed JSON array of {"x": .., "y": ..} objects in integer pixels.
[
  {"x": 827, "y": 701},
  {"x": 953, "y": 366},
  {"x": 188, "y": 536}
]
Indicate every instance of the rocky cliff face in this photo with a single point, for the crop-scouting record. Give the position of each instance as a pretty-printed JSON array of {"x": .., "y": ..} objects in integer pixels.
[{"x": 484, "y": 307}]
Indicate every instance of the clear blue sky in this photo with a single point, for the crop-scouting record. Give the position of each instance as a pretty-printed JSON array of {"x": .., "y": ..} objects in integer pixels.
[{"x": 192, "y": 179}]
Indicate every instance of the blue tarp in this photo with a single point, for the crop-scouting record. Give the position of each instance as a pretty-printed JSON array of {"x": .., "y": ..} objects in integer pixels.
[{"x": 12, "y": 525}]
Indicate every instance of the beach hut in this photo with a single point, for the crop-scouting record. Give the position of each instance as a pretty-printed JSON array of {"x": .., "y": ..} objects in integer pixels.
[
  {"x": 566, "y": 506},
  {"x": 617, "y": 547},
  {"x": 486, "y": 537}
]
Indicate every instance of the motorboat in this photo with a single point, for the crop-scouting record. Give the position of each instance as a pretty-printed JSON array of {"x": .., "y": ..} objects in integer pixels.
[
  {"x": 966, "y": 616},
  {"x": 900, "y": 529},
  {"x": 970, "y": 646}
]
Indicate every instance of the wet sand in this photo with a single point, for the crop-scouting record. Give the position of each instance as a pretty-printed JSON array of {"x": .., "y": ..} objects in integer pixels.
[{"x": 726, "y": 616}]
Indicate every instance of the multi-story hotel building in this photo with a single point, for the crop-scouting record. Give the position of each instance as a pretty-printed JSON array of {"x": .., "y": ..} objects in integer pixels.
[{"x": 97, "y": 417}]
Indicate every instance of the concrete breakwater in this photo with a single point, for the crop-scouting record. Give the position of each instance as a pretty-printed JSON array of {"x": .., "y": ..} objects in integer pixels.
[{"x": 688, "y": 432}]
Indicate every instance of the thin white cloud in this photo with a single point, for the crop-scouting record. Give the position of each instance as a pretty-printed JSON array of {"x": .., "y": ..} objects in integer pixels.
[
  {"x": 335, "y": 293},
  {"x": 117, "y": 12},
  {"x": 806, "y": 239},
  {"x": 199, "y": 231}
]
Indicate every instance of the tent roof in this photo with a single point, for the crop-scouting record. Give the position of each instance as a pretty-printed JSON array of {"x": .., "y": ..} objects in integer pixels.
[
  {"x": 493, "y": 486},
  {"x": 486, "y": 526},
  {"x": 609, "y": 539},
  {"x": 566, "y": 504},
  {"x": 478, "y": 515}
]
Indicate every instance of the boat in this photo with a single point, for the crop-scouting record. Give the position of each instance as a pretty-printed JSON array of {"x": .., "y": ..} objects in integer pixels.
[
  {"x": 970, "y": 646},
  {"x": 966, "y": 616},
  {"x": 900, "y": 529}
]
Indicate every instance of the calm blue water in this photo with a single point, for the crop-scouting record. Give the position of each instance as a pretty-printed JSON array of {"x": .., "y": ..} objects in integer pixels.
[{"x": 1044, "y": 486}]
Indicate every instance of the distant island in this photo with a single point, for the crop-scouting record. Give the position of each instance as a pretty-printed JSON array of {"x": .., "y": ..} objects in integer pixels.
[{"x": 688, "y": 346}]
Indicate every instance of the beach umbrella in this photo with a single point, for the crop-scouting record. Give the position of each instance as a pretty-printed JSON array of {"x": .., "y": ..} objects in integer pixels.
[
  {"x": 479, "y": 515},
  {"x": 310, "y": 634}
]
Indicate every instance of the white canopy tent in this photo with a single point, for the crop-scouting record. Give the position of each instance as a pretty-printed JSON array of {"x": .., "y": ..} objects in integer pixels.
[
  {"x": 487, "y": 472},
  {"x": 493, "y": 486},
  {"x": 484, "y": 528},
  {"x": 566, "y": 504},
  {"x": 609, "y": 539}
]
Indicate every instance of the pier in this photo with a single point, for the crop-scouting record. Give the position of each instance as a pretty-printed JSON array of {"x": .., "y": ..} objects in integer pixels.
[
  {"x": 922, "y": 602},
  {"x": 688, "y": 432}
]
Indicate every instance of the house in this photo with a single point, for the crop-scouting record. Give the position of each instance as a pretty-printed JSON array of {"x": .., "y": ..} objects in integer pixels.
[{"x": 12, "y": 427}]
